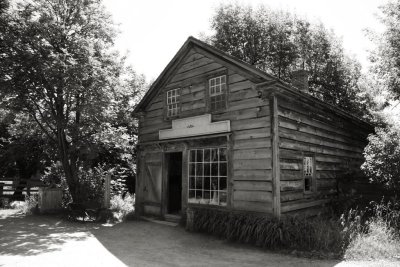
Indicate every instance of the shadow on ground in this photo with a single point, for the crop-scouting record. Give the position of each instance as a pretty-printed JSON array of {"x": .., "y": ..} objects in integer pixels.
[
  {"x": 50, "y": 240},
  {"x": 142, "y": 243},
  {"x": 32, "y": 235}
]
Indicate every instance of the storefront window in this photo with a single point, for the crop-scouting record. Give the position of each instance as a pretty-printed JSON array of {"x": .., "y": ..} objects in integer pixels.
[{"x": 208, "y": 176}]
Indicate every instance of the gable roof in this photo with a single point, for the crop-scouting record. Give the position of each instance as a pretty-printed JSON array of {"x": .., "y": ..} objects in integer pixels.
[{"x": 191, "y": 42}]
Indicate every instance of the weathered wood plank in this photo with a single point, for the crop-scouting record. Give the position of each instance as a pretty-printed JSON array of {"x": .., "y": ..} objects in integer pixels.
[
  {"x": 296, "y": 205},
  {"x": 253, "y": 185},
  {"x": 288, "y": 143},
  {"x": 234, "y": 78},
  {"x": 276, "y": 176},
  {"x": 262, "y": 196},
  {"x": 238, "y": 86},
  {"x": 252, "y": 175},
  {"x": 196, "y": 104},
  {"x": 256, "y": 153},
  {"x": 253, "y": 143},
  {"x": 288, "y": 175},
  {"x": 252, "y": 133},
  {"x": 252, "y": 164},
  {"x": 247, "y": 113},
  {"x": 304, "y": 137},
  {"x": 291, "y": 195},
  {"x": 301, "y": 127},
  {"x": 241, "y": 95},
  {"x": 262, "y": 122},
  {"x": 245, "y": 103},
  {"x": 198, "y": 62},
  {"x": 252, "y": 206},
  {"x": 196, "y": 72},
  {"x": 292, "y": 185}
]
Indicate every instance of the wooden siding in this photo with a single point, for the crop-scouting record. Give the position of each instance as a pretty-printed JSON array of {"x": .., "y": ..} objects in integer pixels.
[
  {"x": 335, "y": 142},
  {"x": 250, "y": 182}
]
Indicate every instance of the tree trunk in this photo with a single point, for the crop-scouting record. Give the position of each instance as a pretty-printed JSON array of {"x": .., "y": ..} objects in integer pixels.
[{"x": 69, "y": 163}]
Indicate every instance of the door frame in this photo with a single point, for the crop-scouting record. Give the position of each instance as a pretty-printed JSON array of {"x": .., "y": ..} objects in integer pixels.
[{"x": 165, "y": 182}]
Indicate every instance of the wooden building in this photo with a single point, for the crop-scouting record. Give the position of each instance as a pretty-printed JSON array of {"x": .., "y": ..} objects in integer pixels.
[{"x": 216, "y": 132}]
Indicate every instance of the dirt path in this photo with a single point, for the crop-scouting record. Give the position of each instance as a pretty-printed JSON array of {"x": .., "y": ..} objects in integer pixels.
[{"x": 48, "y": 241}]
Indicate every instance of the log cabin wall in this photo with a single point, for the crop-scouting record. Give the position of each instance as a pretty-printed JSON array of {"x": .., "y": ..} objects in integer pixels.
[
  {"x": 249, "y": 181},
  {"x": 334, "y": 142}
]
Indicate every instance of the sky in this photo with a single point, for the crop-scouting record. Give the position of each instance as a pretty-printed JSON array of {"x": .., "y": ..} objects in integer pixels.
[{"x": 152, "y": 31}]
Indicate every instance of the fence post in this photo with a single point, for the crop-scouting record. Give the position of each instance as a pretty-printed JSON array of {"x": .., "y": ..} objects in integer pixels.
[{"x": 107, "y": 185}]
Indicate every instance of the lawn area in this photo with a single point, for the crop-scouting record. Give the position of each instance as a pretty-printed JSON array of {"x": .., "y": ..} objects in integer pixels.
[{"x": 50, "y": 241}]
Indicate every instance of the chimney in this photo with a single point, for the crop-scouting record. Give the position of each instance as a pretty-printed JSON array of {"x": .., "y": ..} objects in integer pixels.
[{"x": 300, "y": 80}]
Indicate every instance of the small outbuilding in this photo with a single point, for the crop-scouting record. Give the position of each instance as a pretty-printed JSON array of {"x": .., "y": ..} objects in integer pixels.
[{"x": 216, "y": 132}]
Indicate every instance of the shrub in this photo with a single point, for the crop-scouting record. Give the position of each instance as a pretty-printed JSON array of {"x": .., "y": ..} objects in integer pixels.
[
  {"x": 382, "y": 157},
  {"x": 122, "y": 206},
  {"x": 298, "y": 233},
  {"x": 28, "y": 206},
  {"x": 378, "y": 236}
]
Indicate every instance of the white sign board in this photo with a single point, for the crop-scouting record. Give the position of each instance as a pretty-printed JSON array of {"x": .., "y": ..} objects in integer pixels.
[{"x": 195, "y": 126}]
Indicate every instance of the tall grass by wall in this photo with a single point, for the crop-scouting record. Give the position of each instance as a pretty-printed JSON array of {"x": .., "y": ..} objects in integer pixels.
[{"x": 295, "y": 233}]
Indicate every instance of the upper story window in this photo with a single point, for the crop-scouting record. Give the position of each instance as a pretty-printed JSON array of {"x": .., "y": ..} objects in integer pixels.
[
  {"x": 173, "y": 102},
  {"x": 308, "y": 173},
  {"x": 217, "y": 90}
]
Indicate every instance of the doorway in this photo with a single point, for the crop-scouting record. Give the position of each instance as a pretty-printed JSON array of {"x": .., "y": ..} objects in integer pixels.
[{"x": 174, "y": 171}]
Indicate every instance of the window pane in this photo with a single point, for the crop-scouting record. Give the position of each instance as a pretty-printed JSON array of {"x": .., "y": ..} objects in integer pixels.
[
  {"x": 207, "y": 197},
  {"x": 199, "y": 182},
  {"x": 214, "y": 155},
  {"x": 192, "y": 168},
  {"x": 222, "y": 183},
  {"x": 199, "y": 195},
  {"x": 214, "y": 198},
  {"x": 199, "y": 169},
  {"x": 192, "y": 184},
  {"x": 192, "y": 195},
  {"x": 207, "y": 183},
  {"x": 199, "y": 155},
  {"x": 214, "y": 169},
  {"x": 214, "y": 183},
  {"x": 222, "y": 169},
  {"x": 192, "y": 156},
  {"x": 207, "y": 169},
  {"x": 222, "y": 154},
  {"x": 222, "y": 198},
  {"x": 307, "y": 184},
  {"x": 206, "y": 155}
]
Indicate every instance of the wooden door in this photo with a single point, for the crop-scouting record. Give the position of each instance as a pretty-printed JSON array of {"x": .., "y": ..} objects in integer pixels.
[{"x": 152, "y": 182}]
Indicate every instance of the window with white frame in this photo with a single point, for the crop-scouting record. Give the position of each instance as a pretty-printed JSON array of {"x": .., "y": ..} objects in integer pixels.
[
  {"x": 208, "y": 169},
  {"x": 172, "y": 102},
  {"x": 217, "y": 89},
  {"x": 308, "y": 173}
]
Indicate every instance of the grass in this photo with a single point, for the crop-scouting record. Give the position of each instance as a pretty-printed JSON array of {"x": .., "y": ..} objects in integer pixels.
[
  {"x": 369, "y": 233},
  {"x": 29, "y": 206},
  {"x": 122, "y": 207},
  {"x": 380, "y": 242},
  {"x": 293, "y": 233},
  {"x": 377, "y": 235}
]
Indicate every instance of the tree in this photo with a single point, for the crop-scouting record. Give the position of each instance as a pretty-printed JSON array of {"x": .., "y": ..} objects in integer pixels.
[
  {"x": 278, "y": 43},
  {"x": 382, "y": 158},
  {"x": 386, "y": 57},
  {"x": 59, "y": 68}
]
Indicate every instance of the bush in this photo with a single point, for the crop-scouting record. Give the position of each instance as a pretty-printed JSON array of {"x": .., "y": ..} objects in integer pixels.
[
  {"x": 377, "y": 234},
  {"x": 382, "y": 157},
  {"x": 122, "y": 206},
  {"x": 29, "y": 206},
  {"x": 372, "y": 232},
  {"x": 295, "y": 233}
]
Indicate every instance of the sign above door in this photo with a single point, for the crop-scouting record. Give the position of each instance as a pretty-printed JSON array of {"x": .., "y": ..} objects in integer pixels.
[{"x": 195, "y": 126}]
